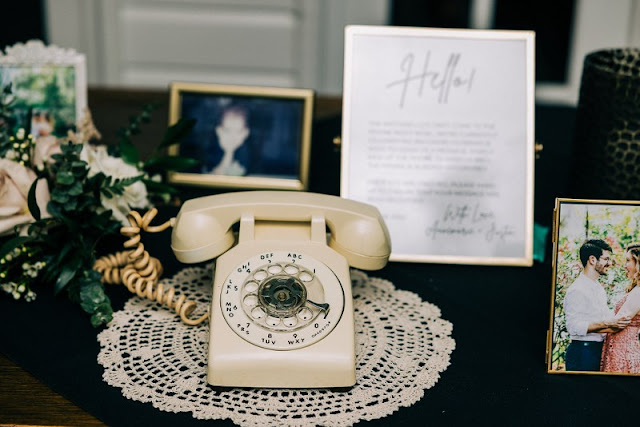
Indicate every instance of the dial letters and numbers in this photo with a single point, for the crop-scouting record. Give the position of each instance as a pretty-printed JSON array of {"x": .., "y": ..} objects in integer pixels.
[{"x": 282, "y": 300}]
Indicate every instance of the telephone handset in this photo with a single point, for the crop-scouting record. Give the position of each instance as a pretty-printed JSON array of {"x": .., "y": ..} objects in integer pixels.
[{"x": 282, "y": 309}]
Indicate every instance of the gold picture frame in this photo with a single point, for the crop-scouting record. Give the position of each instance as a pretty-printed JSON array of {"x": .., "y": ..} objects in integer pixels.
[
  {"x": 579, "y": 227},
  {"x": 246, "y": 137}
]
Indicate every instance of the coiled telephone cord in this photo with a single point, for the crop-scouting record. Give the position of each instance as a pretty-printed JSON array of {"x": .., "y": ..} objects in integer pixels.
[{"x": 140, "y": 272}]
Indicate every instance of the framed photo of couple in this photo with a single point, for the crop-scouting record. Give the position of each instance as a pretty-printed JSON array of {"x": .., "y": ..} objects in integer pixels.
[
  {"x": 244, "y": 136},
  {"x": 595, "y": 304}
]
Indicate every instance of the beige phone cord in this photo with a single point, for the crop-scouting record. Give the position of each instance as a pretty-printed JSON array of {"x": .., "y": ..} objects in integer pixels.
[{"x": 140, "y": 272}]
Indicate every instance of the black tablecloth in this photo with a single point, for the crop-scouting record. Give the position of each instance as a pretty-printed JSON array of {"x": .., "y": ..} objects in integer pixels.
[{"x": 500, "y": 317}]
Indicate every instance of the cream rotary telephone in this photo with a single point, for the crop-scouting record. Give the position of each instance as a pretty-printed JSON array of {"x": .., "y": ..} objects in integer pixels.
[{"x": 282, "y": 307}]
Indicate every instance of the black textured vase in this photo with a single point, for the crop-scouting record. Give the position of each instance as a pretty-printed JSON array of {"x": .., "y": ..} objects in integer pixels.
[{"x": 606, "y": 145}]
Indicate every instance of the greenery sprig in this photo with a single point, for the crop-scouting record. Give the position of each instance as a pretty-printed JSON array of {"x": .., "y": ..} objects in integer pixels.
[
  {"x": 68, "y": 238},
  {"x": 159, "y": 163}
]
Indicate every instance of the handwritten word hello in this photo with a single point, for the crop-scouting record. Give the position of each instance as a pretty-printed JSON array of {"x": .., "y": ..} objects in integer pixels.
[{"x": 442, "y": 82}]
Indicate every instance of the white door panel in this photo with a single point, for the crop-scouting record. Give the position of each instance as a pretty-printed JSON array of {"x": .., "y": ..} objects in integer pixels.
[{"x": 148, "y": 43}]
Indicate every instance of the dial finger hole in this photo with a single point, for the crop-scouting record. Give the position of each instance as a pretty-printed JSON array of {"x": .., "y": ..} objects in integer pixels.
[
  {"x": 305, "y": 276},
  {"x": 251, "y": 300},
  {"x": 260, "y": 275},
  {"x": 258, "y": 313},
  {"x": 251, "y": 286},
  {"x": 275, "y": 269},
  {"x": 290, "y": 321},
  {"x": 272, "y": 321},
  {"x": 305, "y": 314},
  {"x": 291, "y": 270}
]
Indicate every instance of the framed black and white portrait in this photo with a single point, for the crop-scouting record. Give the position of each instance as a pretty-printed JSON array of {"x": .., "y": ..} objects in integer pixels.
[{"x": 244, "y": 137}]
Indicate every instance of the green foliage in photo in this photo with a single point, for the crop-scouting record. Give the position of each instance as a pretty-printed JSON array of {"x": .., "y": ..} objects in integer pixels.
[{"x": 48, "y": 88}]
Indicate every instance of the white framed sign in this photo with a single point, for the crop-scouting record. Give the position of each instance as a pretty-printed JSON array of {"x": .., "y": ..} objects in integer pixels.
[{"x": 438, "y": 134}]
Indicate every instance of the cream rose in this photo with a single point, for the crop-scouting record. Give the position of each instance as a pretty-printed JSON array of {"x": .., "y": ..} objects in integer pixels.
[
  {"x": 15, "y": 182},
  {"x": 134, "y": 196}
]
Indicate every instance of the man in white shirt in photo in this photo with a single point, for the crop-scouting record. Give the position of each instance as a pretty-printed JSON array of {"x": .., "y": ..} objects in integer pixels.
[{"x": 587, "y": 313}]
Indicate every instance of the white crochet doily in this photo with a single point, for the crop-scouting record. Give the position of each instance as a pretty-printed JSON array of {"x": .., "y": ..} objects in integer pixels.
[{"x": 402, "y": 347}]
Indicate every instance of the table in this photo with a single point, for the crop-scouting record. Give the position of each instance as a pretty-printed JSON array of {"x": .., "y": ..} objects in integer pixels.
[{"x": 500, "y": 317}]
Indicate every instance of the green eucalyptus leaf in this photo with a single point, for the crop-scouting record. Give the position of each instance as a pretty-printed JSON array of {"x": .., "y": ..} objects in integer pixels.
[
  {"x": 78, "y": 168},
  {"x": 159, "y": 187},
  {"x": 102, "y": 315},
  {"x": 60, "y": 196},
  {"x": 134, "y": 128},
  {"x": 128, "y": 151},
  {"x": 177, "y": 132},
  {"x": 65, "y": 178},
  {"x": 71, "y": 205},
  {"x": 75, "y": 189},
  {"x": 91, "y": 296},
  {"x": 145, "y": 116},
  {"x": 59, "y": 259},
  {"x": 96, "y": 180},
  {"x": 67, "y": 273},
  {"x": 68, "y": 149},
  {"x": 93, "y": 276},
  {"x": 53, "y": 208},
  {"x": 101, "y": 220},
  {"x": 32, "y": 202}
]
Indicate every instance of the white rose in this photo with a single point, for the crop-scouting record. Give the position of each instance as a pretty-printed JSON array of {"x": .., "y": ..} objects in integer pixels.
[
  {"x": 134, "y": 196},
  {"x": 15, "y": 182}
]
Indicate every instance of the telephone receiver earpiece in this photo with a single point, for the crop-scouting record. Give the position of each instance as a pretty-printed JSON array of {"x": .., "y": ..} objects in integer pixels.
[{"x": 204, "y": 230}]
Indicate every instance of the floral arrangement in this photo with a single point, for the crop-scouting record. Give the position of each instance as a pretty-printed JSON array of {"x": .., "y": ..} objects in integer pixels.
[{"x": 59, "y": 197}]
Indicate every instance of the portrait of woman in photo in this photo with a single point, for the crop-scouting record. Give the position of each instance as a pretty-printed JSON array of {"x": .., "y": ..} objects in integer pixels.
[
  {"x": 232, "y": 132},
  {"x": 621, "y": 350},
  {"x": 240, "y": 136}
]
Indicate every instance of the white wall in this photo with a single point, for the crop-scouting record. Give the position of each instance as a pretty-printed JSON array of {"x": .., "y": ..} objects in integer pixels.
[
  {"x": 148, "y": 43},
  {"x": 288, "y": 43}
]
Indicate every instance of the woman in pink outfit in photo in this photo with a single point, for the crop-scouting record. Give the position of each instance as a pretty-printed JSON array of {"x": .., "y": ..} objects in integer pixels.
[{"x": 621, "y": 350}]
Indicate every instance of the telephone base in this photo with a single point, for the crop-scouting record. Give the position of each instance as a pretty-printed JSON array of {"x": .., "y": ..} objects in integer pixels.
[{"x": 294, "y": 370}]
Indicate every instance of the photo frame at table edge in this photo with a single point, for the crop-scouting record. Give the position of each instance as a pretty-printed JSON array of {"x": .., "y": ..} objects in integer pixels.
[
  {"x": 36, "y": 53},
  {"x": 528, "y": 38},
  {"x": 242, "y": 182},
  {"x": 554, "y": 241}
]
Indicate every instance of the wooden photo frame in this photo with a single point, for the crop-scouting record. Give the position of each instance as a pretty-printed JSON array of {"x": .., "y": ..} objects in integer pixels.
[
  {"x": 440, "y": 140},
  {"x": 49, "y": 84},
  {"x": 595, "y": 302},
  {"x": 245, "y": 137}
]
